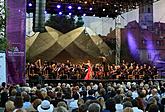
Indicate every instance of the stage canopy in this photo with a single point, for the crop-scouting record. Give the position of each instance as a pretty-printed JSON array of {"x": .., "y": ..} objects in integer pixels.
[{"x": 78, "y": 46}]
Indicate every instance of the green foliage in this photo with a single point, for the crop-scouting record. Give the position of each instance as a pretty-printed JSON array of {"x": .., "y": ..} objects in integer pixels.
[
  {"x": 80, "y": 22},
  {"x": 61, "y": 23},
  {"x": 3, "y": 44}
]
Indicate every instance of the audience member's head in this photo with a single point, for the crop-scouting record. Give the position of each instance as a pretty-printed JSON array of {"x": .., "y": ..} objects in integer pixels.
[
  {"x": 154, "y": 91},
  {"x": 127, "y": 104},
  {"x": 80, "y": 101},
  {"x": 9, "y": 106},
  {"x": 134, "y": 103},
  {"x": 91, "y": 92},
  {"x": 128, "y": 109},
  {"x": 163, "y": 101},
  {"x": 20, "y": 110},
  {"x": 36, "y": 103},
  {"x": 110, "y": 105},
  {"x": 118, "y": 99},
  {"x": 4, "y": 98},
  {"x": 13, "y": 92},
  {"x": 18, "y": 103},
  {"x": 26, "y": 98},
  {"x": 83, "y": 108},
  {"x": 45, "y": 106},
  {"x": 153, "y": 108},
  {"x": 101, "y": 101},
  {"x": 3, "y": 84},
  {"x": 102, "y": 92},
  {"x": 61, "y": 109},
  {"x": 94, "y": 107},
  {"x": 62, "y": 103},
  {"x": 59, "y": 95},
  {"x": 33, "y": 98}
]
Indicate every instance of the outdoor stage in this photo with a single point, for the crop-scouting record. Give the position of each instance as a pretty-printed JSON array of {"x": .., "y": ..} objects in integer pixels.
[{"x": 78, "y": 81}]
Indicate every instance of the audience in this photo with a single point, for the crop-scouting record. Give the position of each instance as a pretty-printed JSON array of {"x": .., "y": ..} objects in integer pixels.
[
  {"x": 94, "y": 97},
  {"x": 144, "y": 96}
]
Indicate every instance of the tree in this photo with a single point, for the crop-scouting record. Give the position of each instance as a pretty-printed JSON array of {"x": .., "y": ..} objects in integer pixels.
[
  {"x": 61, "y": 23},
  {"x": 79, "y": 22},
  {"x": 3, "y": 40},
  {"x": 3, "y": 44}
]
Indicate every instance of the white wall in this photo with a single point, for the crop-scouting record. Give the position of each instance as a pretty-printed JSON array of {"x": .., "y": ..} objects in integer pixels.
[{"x": 159, "y": 11}]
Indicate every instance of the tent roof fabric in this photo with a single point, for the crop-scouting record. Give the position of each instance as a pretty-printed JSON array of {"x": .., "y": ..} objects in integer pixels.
[{"x": 77, "y": 45}]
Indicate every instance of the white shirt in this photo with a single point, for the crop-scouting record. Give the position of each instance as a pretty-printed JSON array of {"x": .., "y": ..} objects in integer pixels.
[
  {"x": 134, "y": 94},
  {"x": 119, "y": 107},
  {"x": 135, "y": 109}
]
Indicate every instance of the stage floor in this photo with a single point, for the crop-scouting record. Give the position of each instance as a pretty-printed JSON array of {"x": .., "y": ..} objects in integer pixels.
[{"x": 70, "y": 81}]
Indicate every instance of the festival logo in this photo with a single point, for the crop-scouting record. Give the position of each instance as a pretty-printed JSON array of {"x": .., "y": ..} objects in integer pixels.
[{"x": 15, "y": 51}]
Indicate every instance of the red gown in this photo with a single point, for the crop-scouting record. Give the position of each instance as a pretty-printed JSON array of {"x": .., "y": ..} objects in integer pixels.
[{"x": 89, "y": 74}]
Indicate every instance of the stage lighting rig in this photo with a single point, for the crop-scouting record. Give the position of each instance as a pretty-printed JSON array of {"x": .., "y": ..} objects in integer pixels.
[{"x": 101, "y": 8}]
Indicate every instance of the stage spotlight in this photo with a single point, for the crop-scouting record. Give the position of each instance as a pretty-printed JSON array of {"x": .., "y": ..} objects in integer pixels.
[
  {"x": 70, "y": 14},
  {"x": 45, "y": 12},
  {"x": 79, "y": 8},
  {"x": 94, "y": 15},
  {"x": 69, "y": 7},
  {"x": 58, "y": 6},
  {"x": 103, "y": 10},
  {"x": 84, "y": 14},
  {"x": 90, "y": 8},
  {"x": 60, "y": 13},
  {"x": 30, "y": 4}
]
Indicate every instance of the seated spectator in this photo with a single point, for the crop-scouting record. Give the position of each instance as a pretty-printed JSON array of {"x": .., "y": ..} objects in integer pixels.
[
  {"x": 4, "y": 98},
  {"x": 18, "y": 103},
  {"x": 127, "y": 104},
  {"x": 119, "y": 105},
  {"x": 9, "y": 106},
  {"x": 94, "y": 107},
  {"x": 61, "y": 103},
  {"x": 20, "y": 110},
  {"x": 45, "y": 106},
  {"x": 61, "y": 109},
  {"x": 101, "y": 101},
  {"x": 83, "y": 108},
  {"x": 36, "y": 103},
  {"x": 31, "y": 109},
  {"x": 135, "y": 106},
  {"x": 128, "y": 109},
  {"x": 80, "y": 101},
  {"x": 57, "y": 99},
  {"x": 90, "y": 95},
  {"x": 13, "y": 94},
  {"x": 110, "y": 106},
  {"x": 27, "y": 102},
  {"x": 153, "y": 108}
]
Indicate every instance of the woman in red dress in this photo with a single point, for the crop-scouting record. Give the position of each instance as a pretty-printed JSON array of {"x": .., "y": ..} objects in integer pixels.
[{"x": 89, "y": 73}]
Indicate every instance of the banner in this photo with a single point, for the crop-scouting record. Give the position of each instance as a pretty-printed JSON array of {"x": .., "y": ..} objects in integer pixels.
[
  {"x": 2, "y": 67},
  {"x": 15, "y": 31}
]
